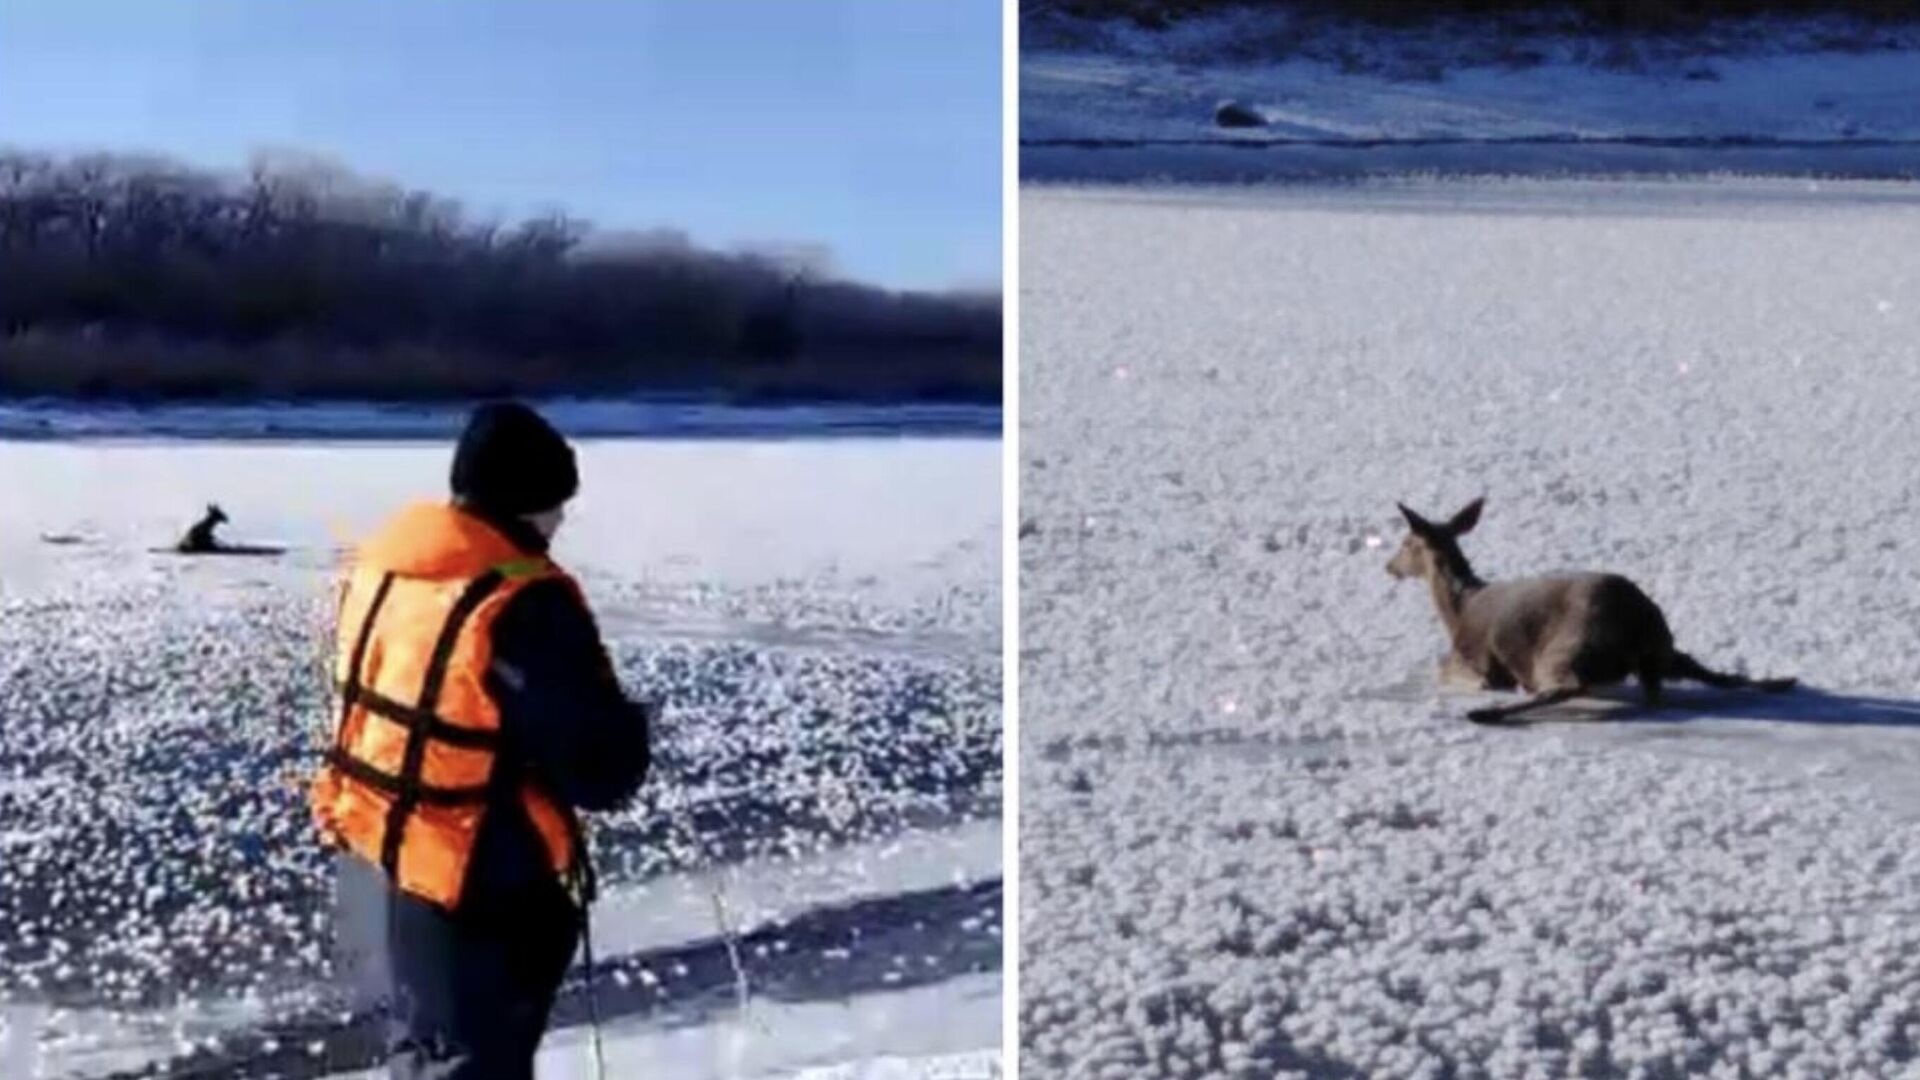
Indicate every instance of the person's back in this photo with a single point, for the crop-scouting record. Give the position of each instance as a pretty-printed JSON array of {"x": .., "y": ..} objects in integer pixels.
[{"x": 477, "y": 712}]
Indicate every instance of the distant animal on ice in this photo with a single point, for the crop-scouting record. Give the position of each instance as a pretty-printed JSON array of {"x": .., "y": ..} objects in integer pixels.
[
  {"x": 1556, "y": 637},
  {"x": 200, "y": 539}
]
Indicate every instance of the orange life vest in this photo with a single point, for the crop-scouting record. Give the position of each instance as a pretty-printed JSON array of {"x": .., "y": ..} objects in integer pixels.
[{"x": 415, "y": 761}]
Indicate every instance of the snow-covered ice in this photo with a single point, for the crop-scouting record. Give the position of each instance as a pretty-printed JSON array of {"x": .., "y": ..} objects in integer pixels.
[
  {"x": 817, "y": 1041},
  {"x": 821, "y": 617},
  {"x": 1257, "y": 839}
]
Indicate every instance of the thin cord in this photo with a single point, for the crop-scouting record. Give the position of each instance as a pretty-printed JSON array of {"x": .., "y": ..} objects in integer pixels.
[
  {"x": 741, "y": 992},
  {"x": 593, "y": 999},
  {"x": 723, "y": 918}
]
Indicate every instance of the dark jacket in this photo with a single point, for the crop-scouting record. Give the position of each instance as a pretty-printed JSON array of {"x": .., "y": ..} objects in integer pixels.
[
  {"x": 469, "y": 990},
  {"x": 563, "y": 720}
]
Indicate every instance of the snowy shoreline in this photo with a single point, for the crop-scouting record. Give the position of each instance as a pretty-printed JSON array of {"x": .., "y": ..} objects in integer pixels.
[
  {"x": 1112, "y": 103},
  {"x": 657, "y": 418}
]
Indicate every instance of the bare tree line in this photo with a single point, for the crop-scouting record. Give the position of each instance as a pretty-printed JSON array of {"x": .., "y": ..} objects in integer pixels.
[{"x": 130, "y": 275}]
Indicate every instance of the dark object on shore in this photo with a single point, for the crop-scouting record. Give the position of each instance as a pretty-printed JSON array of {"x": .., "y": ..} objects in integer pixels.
[
  {"x": 62, "y": 539},
  {"x": 200, "y": 539},
  {"x": 1232, "y": 114}
]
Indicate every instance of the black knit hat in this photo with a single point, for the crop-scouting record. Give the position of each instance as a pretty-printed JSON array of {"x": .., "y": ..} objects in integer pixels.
[{"x": 511, "y": 461}]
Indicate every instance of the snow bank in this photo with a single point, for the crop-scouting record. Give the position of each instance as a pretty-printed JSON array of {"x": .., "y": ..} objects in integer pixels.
[
  {"x": 1257, "y": 840},
  {"x": 656, "y": 418},
  {"x": 1129, "y": 103}
]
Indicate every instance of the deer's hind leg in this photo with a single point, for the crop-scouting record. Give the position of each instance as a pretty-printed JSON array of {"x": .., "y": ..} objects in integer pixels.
[
  {"x": 1652, "y": 673},
  {"x": 1456, "y": 671},
  {"x": 1502, "y": 714},
  {"x": 1555, "y": 675}
]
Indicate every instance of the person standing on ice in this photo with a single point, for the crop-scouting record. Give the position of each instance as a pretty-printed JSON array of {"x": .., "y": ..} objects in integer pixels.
[{"x": 478, "y": 711}]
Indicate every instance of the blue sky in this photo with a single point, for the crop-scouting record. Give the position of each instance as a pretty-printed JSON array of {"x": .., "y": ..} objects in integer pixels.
[{"x": 869, "y": 126}]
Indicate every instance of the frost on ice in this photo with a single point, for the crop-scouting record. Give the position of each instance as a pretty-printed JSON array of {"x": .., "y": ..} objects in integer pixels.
[
  {"x": 1341, "y": 878},
  {"x": 162, "y": 895}
]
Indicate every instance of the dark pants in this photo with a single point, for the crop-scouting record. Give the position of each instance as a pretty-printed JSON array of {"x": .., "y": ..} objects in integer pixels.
[{"x": 469, "y": 991}]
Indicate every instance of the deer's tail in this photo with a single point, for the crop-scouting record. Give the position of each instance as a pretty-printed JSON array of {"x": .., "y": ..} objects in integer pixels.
[{"x": 1682, "y": 666}]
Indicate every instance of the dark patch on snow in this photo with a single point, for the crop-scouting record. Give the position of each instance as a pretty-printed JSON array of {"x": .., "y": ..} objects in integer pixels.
[
  {"x": 1232, "y": 114},
  {"x": 876, "y": 945}
]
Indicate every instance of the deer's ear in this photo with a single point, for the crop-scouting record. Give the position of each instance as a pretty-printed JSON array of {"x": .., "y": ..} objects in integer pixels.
[
  {"x": 1414, "y": 521},
  {"x": 1469, "y": 516}
]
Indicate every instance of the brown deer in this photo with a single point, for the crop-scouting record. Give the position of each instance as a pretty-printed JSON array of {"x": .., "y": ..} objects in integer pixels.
[{"x": 1555, "y": 637}]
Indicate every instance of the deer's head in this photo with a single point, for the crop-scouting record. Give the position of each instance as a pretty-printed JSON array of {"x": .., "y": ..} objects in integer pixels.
[
  {"x": 1434, "y": 548},
  {"x": 216, "y": 515}
]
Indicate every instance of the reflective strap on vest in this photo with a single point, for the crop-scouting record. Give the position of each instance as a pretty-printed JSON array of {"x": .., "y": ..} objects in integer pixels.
[
  {"x": 522, "y": 568},
  {"x": 357, "y": 770},
  {"x": 411, "y": 789},
  {"x": 360, "y": 643},
  {"x": 420, "y": 720},
  {"x": 408, "y": 715}
]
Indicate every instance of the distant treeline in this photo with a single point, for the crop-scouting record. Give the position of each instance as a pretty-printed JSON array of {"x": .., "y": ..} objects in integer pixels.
[
  {"x": 134, "y": 277},
  {"x": 1621, "y": 15}
]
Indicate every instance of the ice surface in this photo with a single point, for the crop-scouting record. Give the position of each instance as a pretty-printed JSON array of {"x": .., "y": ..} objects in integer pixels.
[
  {"x": 923, "y": 1034},
  {"x": 821, "y": 617},
  {"x": 1257, "y": 840}
]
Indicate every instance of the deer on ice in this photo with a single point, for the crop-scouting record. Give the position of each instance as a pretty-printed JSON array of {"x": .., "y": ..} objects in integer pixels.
[
  {"x": 1555, "y": 637},
  {"x": 199, "y": 539}
]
